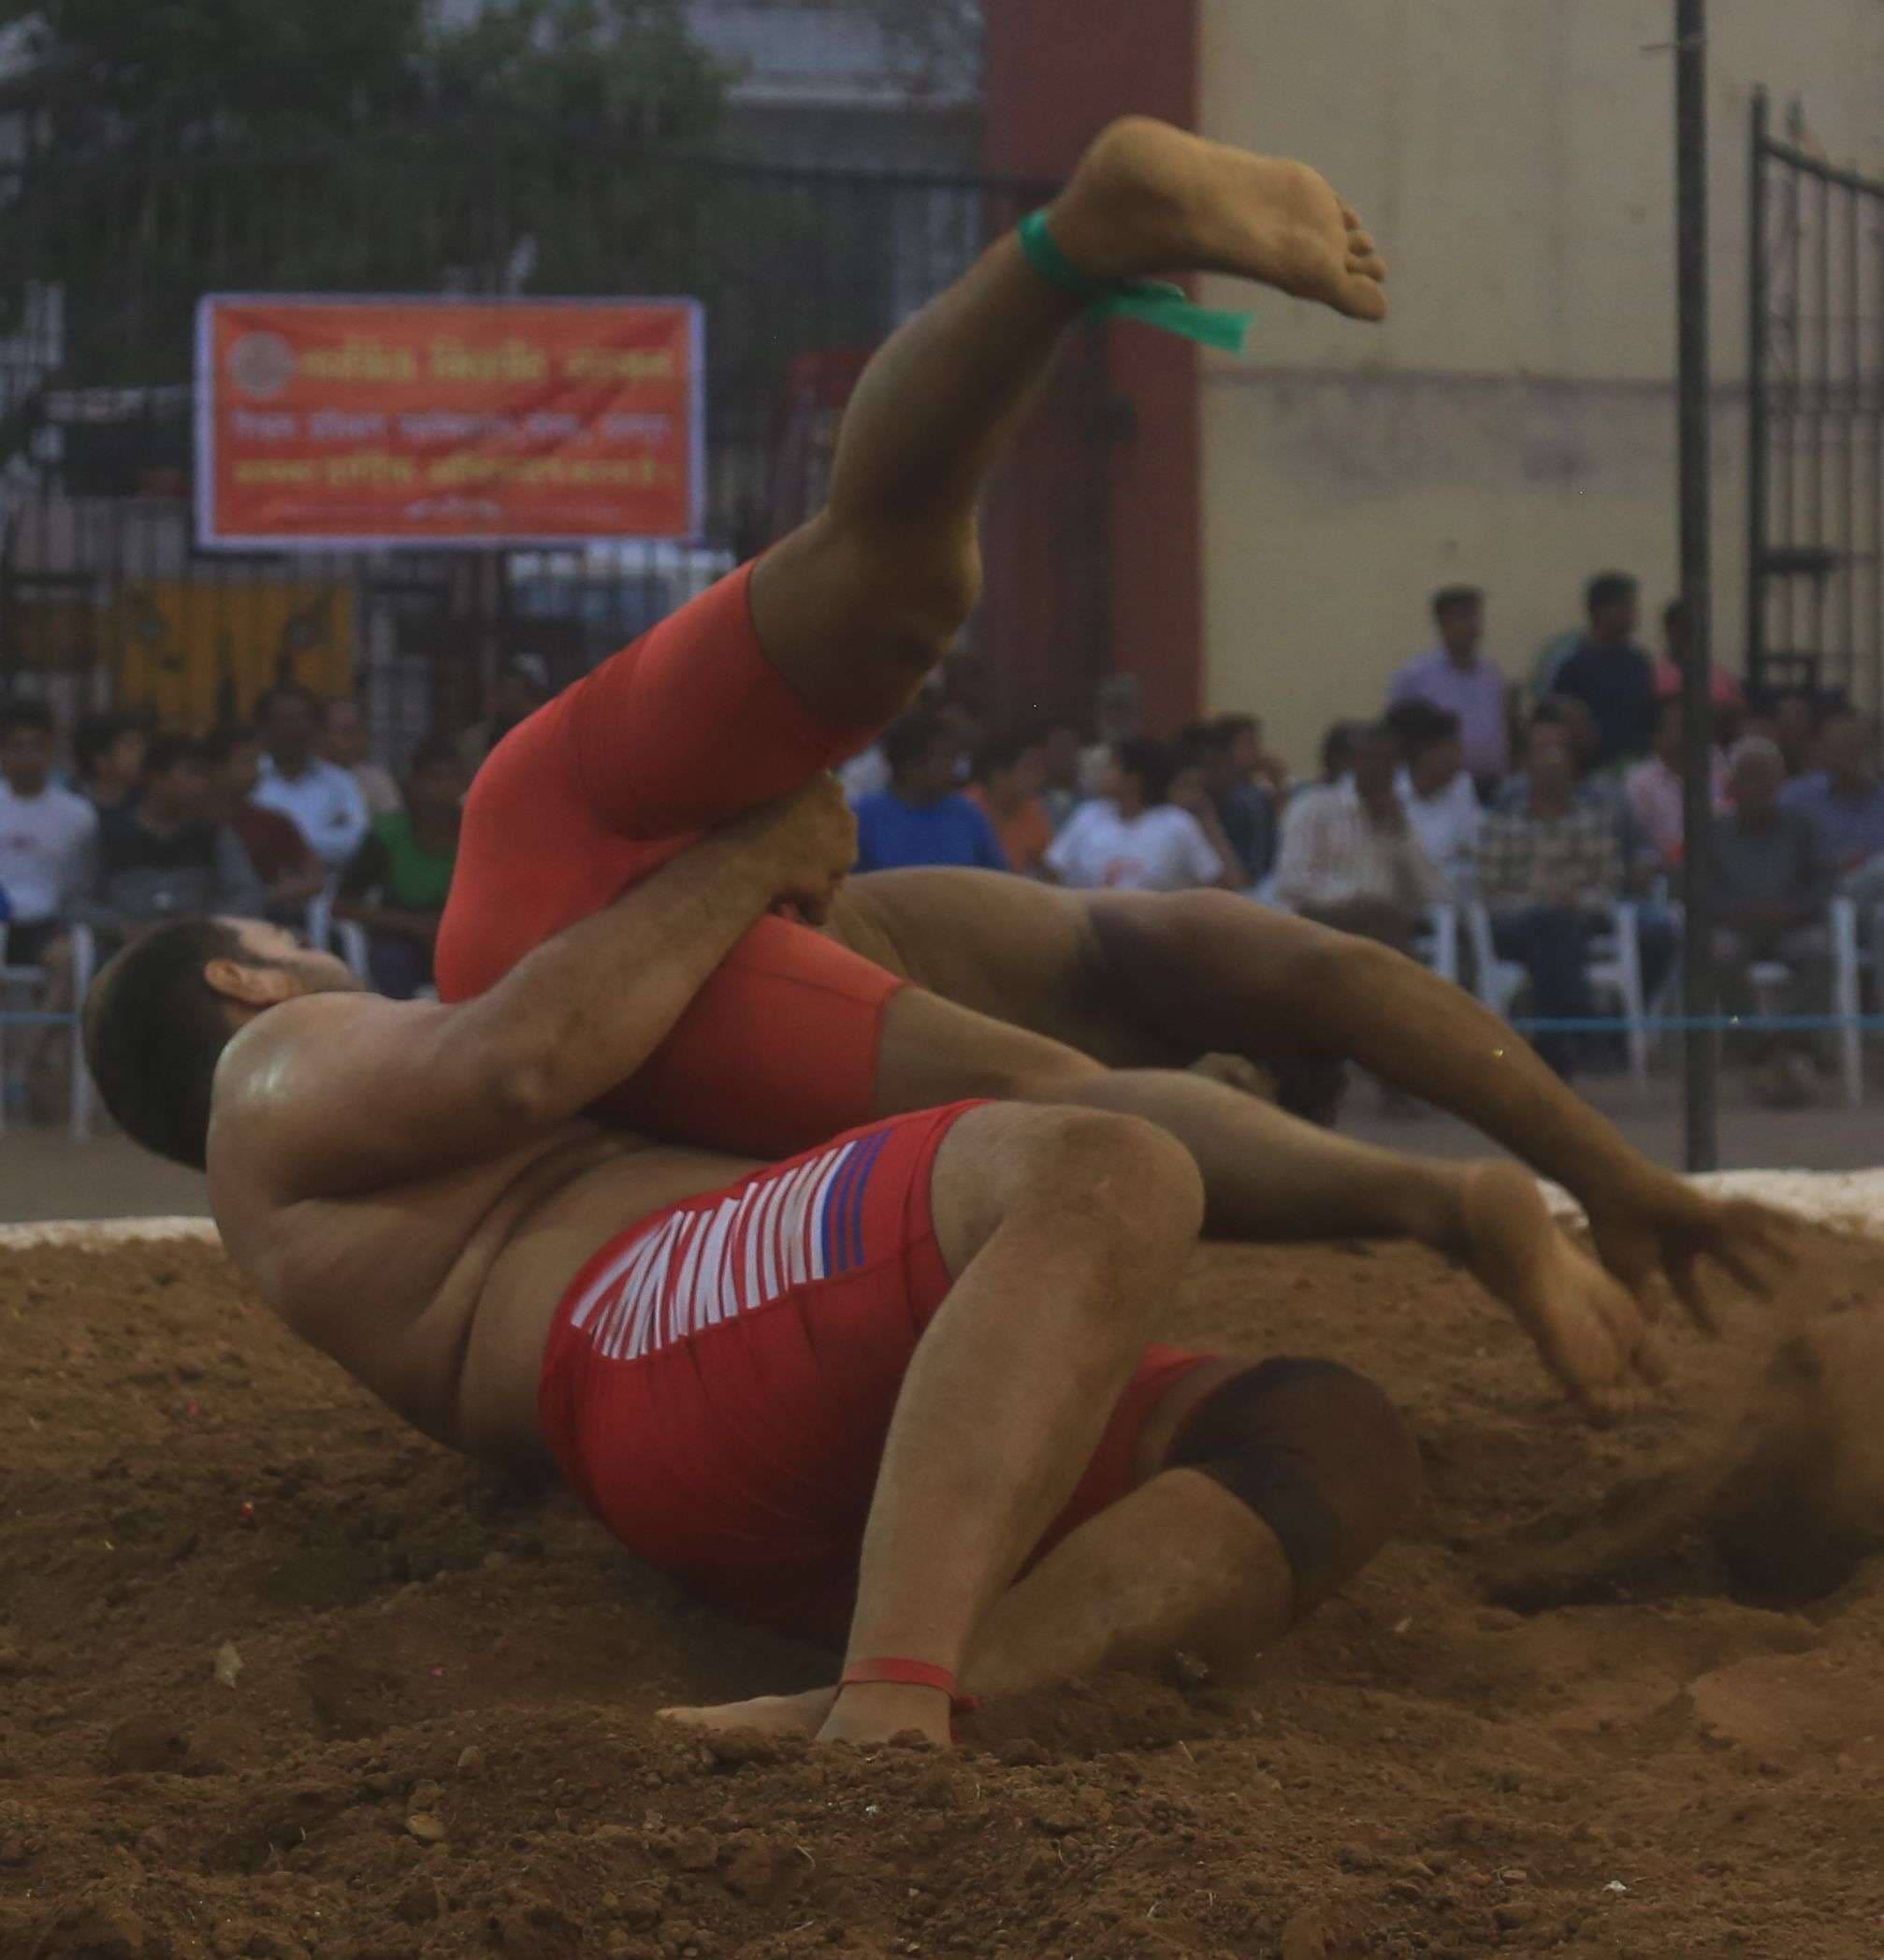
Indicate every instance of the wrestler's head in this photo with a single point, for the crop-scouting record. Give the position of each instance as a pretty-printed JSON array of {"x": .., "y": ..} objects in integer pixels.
[{"x": 160, "y": 1015}]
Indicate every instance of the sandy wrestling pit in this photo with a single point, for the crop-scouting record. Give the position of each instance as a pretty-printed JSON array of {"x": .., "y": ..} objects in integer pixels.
[{"x": 279, "y": 1678}]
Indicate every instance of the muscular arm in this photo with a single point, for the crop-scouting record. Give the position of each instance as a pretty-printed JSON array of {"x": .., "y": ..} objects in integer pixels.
[
  {"x": 343, "y": 1093},
  {"x": 1305, "y": 987}
]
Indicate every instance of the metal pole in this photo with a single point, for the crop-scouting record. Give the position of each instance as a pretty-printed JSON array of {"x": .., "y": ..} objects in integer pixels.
[
  {"x": 1691, "y": 254},
  {"x": 1757, "y": 302}
]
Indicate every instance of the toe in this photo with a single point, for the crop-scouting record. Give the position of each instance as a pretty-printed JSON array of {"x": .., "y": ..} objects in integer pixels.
[
  {"x": 1361, "y": 244},
  {"x": 1350, "y": 216},
  {"x": 1368, "y": 265},
  {"x": 1363, "y": 299}
]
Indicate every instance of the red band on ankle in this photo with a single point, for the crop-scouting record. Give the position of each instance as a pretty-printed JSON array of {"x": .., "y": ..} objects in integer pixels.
[{"x": 907, "y": 1674}]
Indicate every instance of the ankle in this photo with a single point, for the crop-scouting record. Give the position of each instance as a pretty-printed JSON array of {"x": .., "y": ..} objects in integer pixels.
[
  {"x": 877, "y": 1710},
  {"x": 1436, "y": 1208}
]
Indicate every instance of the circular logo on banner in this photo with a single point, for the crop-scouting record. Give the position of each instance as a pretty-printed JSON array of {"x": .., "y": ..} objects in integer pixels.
[{"x": 261, "y": 364}]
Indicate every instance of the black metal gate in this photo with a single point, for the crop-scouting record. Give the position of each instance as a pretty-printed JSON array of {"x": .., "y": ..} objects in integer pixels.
[
  {"x": 107, "y": 600},
  {"x": 1815, "y": 492}
]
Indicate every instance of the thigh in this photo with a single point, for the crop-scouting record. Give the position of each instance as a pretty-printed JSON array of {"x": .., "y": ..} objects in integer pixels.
[
  {"x": 718, "y": 1384},
  {"x": 1011, "y": 950},
  {"x": 777, "y": 1052},
  {"x": 935, "y": 1050},
  {"x": 685, "y": 729}
]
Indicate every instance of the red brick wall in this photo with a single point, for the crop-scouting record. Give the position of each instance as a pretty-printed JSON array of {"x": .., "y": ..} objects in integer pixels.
[{"x": 1057, "y": 73}]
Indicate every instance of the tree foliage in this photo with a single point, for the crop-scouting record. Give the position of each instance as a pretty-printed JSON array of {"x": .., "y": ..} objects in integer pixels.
[
  {"x": 191, "y": 75},
  {"x": 183, "y": 146}
]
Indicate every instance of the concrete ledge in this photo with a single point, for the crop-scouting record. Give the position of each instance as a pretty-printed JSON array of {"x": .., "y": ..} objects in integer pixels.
[{"x": 98, "y": 1233}]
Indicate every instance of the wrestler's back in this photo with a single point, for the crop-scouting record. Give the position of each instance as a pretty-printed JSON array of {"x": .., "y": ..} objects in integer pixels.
[{"x": 438, "y": 1294}]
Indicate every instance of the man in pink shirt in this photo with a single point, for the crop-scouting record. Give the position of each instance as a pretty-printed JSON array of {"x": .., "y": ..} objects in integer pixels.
[
  {"x": 1723, "y": 689},
  {"x": 1654, "y": 787}
]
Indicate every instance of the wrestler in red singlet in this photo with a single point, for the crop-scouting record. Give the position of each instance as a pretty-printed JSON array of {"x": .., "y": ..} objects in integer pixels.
[
  {"x": 680, "y": 732},
  {"x": 718, "y": 1381}
]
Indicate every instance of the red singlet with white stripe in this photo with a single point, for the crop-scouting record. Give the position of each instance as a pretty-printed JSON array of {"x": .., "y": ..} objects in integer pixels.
[{"x": 718, "y": 1381}]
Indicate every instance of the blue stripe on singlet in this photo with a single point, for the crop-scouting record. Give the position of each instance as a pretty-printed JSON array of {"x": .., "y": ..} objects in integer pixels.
[
  {"x": 835, "y": 1260},
  {"x": 860, "y": 1184}
]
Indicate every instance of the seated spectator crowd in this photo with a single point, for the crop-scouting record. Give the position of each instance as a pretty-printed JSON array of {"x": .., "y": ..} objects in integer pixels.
[
  {"x": 123, "y": 827},
  {"x": 1548, "y": 809}
]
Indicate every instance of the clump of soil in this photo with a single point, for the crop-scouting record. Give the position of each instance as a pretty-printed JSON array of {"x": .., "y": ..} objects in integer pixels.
[{"x": 279, "y": 1678}]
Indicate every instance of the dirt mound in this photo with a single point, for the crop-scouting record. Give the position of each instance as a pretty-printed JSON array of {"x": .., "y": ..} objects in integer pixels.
[{"x": 278, "y": 1678}]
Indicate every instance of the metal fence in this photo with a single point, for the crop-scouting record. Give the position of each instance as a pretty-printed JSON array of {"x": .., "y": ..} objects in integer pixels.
[
  {"x": 1815, "y": 558},
  {"x": 105, "y": 599}
]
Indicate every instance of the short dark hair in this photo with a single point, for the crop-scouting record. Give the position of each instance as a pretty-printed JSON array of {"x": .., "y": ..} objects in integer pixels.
[
  {"x": 1420, "y": 725},
  {"x": 167, "y": 752},
  {"x": 1339, "y": 744},
  {"x": 95, "y": 736},
  {"x": 1200, "y": 741},
  {"x": 288, "y": 690},
  {"x": 1004, "y": 752},
  {"x": 35, "y": 715},
  {"x": 1154, "y": 763},
  {"x": 221, "y": 742},
  {"x": 1453, "y": 599},
  {"x": 911, "y": 737},
  {"x": 1558, "y": 721},
  {"x": 155, "y": 1031},
  {"x": 1608, "y": 589}
]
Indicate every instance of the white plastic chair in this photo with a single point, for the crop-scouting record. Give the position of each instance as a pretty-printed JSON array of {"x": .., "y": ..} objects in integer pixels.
[
  {"x": 1436, "y": 943},
  {"x": 33, "y": 982},
  {"x": 1850, "y": 960},
  {"x": 327, "y": 933},
  {"x": 1613, "y": 967}
]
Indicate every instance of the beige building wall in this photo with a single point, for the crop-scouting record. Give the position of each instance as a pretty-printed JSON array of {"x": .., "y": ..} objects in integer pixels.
[{"x": 1513, "y": 425}]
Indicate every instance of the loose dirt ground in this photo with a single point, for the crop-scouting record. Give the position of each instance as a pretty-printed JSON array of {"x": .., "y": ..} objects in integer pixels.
[{"x": 279, "y": 1678}]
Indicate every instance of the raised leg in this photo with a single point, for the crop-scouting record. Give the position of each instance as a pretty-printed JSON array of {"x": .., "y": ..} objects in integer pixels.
[{"x": 855, "y": 607}]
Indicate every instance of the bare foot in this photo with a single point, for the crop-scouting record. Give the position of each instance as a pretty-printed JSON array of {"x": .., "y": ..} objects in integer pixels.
[
  {"x": 764, "y": 1715},
  {"x": 879, "y": 1712},
  {"x": 1586, "y": 1326},
  {"x": 1150, "y": 198}
]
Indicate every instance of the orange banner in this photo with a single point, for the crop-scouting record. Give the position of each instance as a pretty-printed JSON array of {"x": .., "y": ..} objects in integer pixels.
[{"x": 369, "y": 422}]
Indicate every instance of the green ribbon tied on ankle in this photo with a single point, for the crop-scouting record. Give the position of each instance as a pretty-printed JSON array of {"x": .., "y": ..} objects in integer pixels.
[{"x": 1151, "y": 300}]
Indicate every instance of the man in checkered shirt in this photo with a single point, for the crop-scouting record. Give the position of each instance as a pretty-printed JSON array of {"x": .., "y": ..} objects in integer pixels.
[{"x": 1548, "y": 874}]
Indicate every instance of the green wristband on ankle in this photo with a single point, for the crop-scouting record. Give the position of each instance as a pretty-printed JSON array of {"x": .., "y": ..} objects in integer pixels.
[{"x": 1165, "y": 307}]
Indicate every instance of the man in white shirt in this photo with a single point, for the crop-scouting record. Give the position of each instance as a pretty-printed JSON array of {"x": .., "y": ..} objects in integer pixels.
[
  {"x": 45, "y": 833},
  {"x": 46, "y": 836},
  {"x": 1119, "y": 715},
  {"x": 346, "y": 743},
  {"x": 1440, "y": 799},
  {"x": 1136, "y": 839},
  {"x": 321, "y": 798},
  {"x": 1351, "y": 859}
]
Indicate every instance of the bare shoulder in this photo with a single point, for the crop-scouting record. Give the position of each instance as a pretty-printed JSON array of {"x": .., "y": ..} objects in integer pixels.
[
  {"x": 290, "y": 1058},
  {"x": 295, "y": 1030}
]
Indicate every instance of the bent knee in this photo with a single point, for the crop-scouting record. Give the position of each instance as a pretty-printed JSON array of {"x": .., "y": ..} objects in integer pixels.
[
  {"x": 908, "y": 591},
  {"x": 1320, "y": 1453},
  {"x": 1126, "y": 1177}
]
